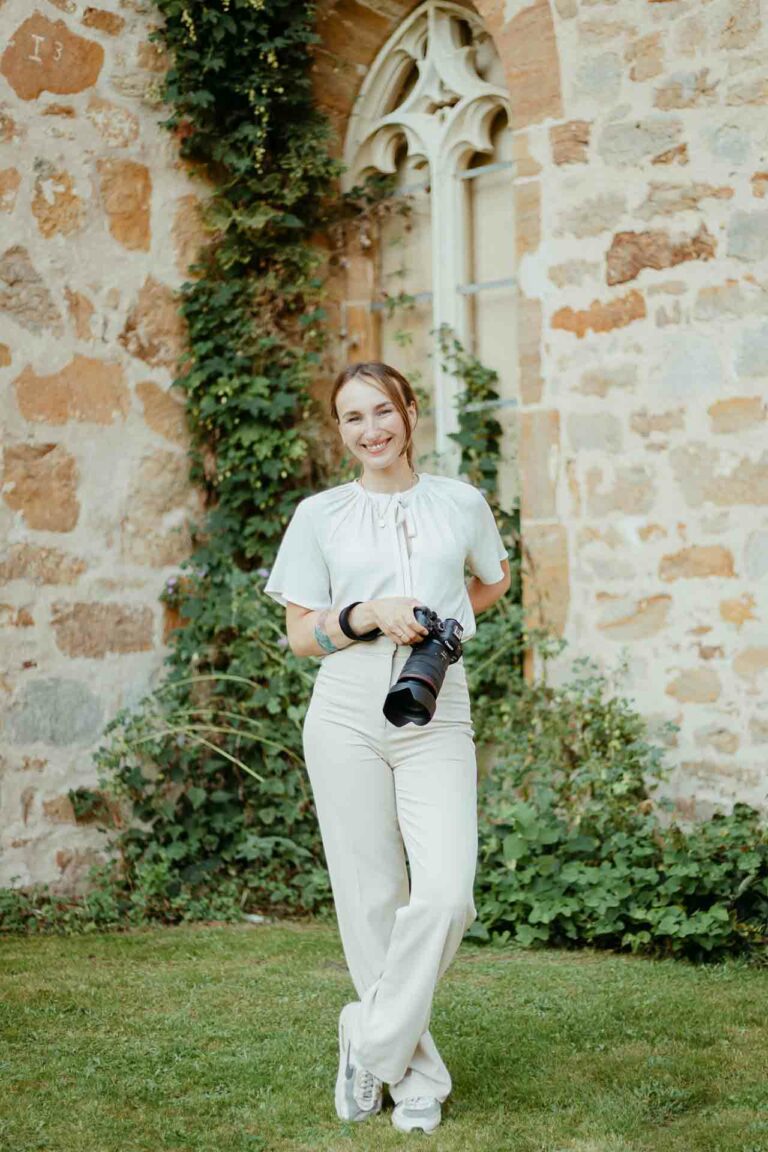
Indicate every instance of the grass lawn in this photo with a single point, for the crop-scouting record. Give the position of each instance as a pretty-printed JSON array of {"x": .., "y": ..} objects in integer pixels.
[{"x": 224, "y": 1039}]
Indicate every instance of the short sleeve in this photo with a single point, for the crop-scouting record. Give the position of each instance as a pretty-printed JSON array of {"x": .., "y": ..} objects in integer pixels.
[
  {"x": 486, "y": 546},
  {"x": 300, "y": 574}
]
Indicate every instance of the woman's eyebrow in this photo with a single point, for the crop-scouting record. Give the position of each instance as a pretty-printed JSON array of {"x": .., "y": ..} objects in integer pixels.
[{"x": 354, "y": 411}]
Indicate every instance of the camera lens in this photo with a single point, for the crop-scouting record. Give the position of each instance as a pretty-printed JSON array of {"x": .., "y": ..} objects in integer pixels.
[{"x": 413, "y": 696}]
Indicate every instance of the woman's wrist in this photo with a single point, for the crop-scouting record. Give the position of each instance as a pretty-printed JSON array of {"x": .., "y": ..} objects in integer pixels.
[{"x": 362, "y": 618}]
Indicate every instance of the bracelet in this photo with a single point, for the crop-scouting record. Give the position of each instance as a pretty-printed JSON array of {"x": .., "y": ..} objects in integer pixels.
[{"x": 346, "y": 627}]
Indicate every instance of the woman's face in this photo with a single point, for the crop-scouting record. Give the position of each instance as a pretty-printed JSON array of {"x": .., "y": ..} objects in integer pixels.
[{"x": 370, "y": 425}]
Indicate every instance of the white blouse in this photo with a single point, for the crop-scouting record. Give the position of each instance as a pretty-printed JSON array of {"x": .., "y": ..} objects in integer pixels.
[{"x": 348, "y": 543}]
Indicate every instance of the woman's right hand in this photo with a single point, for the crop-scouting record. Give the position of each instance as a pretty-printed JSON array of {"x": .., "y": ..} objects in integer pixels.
[{"x": 394, "y": 615}]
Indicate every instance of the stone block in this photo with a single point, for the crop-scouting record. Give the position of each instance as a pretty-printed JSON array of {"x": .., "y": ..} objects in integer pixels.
[
  {"x": 126, "y": 190},
  {"x": 703, "y": 473},
  {"x": 645, "y": 57},
  {"x": 742, "y": 24},
  {"x": 102, "y": 21},
  {"x": 190, "y": 234},
  {"x": 10, "y": 179},
  {"x": 539, "y": 448},
  {"x": 695, "y": 686},
  {"x": 594, "y": 431},
  {"x": 647, "y": 424},
  {"x": 625, "y": 618},
  {"x": 751, "y": 664},
  {"x": 546, "y": 582},
  {"x": 40, "y": 482},
  {"x": 39, "y": 565},
  {"x": 592, "y": 216},
  {"x": 154, "y": 330},
  {"x": 527, "y": 199},
  {"x": 739, "y": 414},
  {"x": 756, "y": 554},
  {"x": 600, "y": 381},
  {"x": 44, "y": 56},
  {"x": 629, "y": 489},
  {"x": 528, "y": 49},
  {"x": 752, "y": 355},
  {"x": 739, "y": 610},
  {"x": 94, "y": 630},
  {"x": 24, "y": 295},
  {"x": 570, "y": 142},
  {"x": 666, "y": 199},
  {"x": 117, "y": 126},
  {"x": 686, "y": 90},
  {"x": 86, "y": 390},
  {"x": 627, "y": 143},
  {"x": 748, "y": 236},
  {"x": 631, "y": 252},
  {"x": 717, "y": 737},
  {"x": 164, "y": 412},
  {"x": 57, "y": 711},
  {"x": 602, "y": 315},
  {"x": 697, "y": 562}
]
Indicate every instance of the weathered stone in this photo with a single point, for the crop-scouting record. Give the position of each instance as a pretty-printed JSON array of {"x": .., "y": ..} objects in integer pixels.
[
  {"x": 546, "y": 584},
  {"x": 151, "y": 56},
  {"x": 602, "y": 315},
  {"x": 155, "y": 529},
  {"x": 102, "y": 21},
  {"x": 570, "y": 142},
  {"x": 599, "y": 431},
  {"x": 154, "y": 331},
  {"x": 646, "y": 423},
  {"x": 117, "y": 126},
  {"x": 24, "y": 294},
  {"x": 527, "y": 207},
  {"x": 80, "y": 312},
  {"x": 667, "y": 199},
  {"x": 592, "y": 216},
  {"x": 695, "y": 686},
  {"x": 750, "y": 664},
  {"x": 593, "y": 32},
  {"x": 632, "y": 490},
  {"x": 40, "y": 565},
  {"x": 756, "y": 554},
  {"x": 10, "y": 178},
  {"x": 40, "y": 481},
  {"x": 719, "y": 775},
  {"x": 704, "y": 473},
  {"x": 645, "y": 57},
  {"x": 676, "y": 155},
  {"x": 44, "y": 56},
  {"x": 717, "y": 737},
  {"x": 691, "y": 366},
  {"x": 93, "y": 630},
  {"x": 126, "y": 190},
  {"x": 759, "y": 184},
  {"x": 729, "y": 142},
  {"x": 59, "y": 810},
  {"x": 748, "y": 236},
  {"x": 190, "y": 235},
  {"x": 12, "y": 616},
  {"x": 572, "y": 273},
  {"x": 87, "y": 390},
  {"x": 627, "y": 143},
  {"x": 738, "y": 414},
  {"x": 625, "y": 618},
  {"x": 566, "y": 9},
  {"x": 697, "y": 562},
  {"x": 754, "y": 91},
  {"x": 738, "y": 611},
  {"x": 55, "y": 204},
  {"x": 686, "y": 90},
  {"x": 529, "y": 324},
  {"x": 55, "y": 711},
  {"x": 359, "y": 332},
  {"x": 630, "y": 252},
  {"x": 599, "y": 381},
  {"x": 164, "y": 412},
  {"x": 742, "y": 26},
  {"x": 539, "y": 462},
  {"x": 752, "y": 357},
  {"x": 758, "y": 729},
  {"x": 526, "y": 164},
  {"x": 730, "y": 300},
  {"x": 599, "y": 77},
  {"x": 5, "y": 356},
  {"x": 528, "y": 48}
]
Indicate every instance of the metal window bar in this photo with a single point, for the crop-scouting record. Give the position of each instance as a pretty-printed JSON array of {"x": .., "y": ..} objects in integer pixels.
[
  {"x": 413, "y": 298},
  {"x": 483, "y": 285},
  {"x": 484, "y": 169},
  {"x": 479, "y": 405}
]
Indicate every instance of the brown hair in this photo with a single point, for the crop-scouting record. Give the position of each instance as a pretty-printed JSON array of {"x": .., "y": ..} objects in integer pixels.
[{"x": 389, "y": 381}]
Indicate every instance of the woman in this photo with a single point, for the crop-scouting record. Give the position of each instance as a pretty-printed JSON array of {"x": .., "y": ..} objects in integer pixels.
[{"x": 385, "y": 543}]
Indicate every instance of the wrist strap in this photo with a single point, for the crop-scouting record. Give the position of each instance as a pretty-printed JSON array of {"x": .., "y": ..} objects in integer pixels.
[{"x": 346, "y": 627}]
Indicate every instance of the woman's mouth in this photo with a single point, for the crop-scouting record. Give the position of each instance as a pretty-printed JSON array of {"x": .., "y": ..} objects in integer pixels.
[{"x": 375, "y": 448}]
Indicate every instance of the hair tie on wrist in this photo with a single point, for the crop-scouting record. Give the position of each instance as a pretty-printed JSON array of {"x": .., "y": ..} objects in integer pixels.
[{"x": 346, "y": 627}]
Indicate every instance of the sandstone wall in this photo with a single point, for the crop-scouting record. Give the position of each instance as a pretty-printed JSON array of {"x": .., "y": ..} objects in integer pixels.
[
  {"x": 97, "y": 226},
  {"x": 641, "y": 141}
]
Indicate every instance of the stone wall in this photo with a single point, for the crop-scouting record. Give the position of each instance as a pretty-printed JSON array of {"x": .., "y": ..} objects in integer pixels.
[
  {"x": 641, "y": 142},
  {"x": 98, "y": 224}
]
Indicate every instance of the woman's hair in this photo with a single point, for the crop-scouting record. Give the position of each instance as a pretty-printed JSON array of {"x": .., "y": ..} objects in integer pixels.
[{"x": 389, "y": 381}]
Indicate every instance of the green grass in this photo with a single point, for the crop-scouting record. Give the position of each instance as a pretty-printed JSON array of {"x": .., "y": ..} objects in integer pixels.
[{"x": 224, "y": 1038}]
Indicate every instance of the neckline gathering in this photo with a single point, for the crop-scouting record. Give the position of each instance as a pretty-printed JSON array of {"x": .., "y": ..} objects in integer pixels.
[{"x": 382, "y": 496}]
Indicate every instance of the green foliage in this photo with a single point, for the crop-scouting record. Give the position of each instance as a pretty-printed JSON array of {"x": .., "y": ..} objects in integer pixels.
[{"x": 575, "y": 848}]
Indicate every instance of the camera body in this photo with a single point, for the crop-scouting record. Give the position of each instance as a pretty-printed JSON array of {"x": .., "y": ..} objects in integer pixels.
[{"x": 413, "y": 696}]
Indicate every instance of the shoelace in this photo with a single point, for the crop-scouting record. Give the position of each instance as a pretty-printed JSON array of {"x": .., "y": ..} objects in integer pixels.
[
  {"x": 419, "y": 1101},
  {"x": 366, "y": 1088}
]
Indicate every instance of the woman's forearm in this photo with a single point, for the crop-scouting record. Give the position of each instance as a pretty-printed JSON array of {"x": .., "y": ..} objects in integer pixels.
[
  {"x": 304, "y": 641},
  {"x": 482, "y": 596}
]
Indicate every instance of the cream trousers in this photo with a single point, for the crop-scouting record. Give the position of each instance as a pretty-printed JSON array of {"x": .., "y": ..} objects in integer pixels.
[{"x": 381, "y": 792}]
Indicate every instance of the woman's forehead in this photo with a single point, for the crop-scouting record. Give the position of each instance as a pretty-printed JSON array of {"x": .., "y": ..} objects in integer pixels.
[{"x": 360, "y": 393}]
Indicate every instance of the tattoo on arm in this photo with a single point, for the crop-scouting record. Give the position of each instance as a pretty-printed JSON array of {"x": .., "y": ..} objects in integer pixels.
[{"x": 321, "y": 635}]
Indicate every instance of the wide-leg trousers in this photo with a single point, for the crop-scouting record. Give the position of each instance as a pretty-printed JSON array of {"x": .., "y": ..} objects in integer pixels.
[{"x": 382, "y": 792}]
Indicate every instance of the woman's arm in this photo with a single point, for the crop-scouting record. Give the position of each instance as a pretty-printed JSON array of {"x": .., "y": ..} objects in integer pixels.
[
  {"x": 482, "y": 596},
  {"x": 301, "y": 622}
]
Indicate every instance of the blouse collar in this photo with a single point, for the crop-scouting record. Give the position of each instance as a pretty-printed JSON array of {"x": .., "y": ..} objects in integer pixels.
[{"x": 387, "y": 497}]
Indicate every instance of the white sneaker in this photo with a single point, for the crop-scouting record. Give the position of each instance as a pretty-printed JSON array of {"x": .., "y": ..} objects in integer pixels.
[
  {"x": 358, "y": 1092},
  {"x": 417, "y": 1112}
]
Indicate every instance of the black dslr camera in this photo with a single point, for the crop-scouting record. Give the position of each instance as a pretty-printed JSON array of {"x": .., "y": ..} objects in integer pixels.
[{"x": 412, "y": 697}]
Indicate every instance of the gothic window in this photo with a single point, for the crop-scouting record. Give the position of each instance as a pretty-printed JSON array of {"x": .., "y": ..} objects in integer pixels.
[{"x": 432, "y": 112}]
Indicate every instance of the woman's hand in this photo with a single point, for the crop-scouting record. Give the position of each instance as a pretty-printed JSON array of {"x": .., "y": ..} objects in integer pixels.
[{"x": 394, "y": 615}]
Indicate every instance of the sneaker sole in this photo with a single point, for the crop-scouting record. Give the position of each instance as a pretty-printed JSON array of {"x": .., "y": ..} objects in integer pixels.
[
  {"x": 426, "y": 1129},
  {"x": 340, "y": 1096}
]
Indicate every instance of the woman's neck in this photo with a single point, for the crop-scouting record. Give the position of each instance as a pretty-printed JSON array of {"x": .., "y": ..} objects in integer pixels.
[{"x": 389, "y": 481}]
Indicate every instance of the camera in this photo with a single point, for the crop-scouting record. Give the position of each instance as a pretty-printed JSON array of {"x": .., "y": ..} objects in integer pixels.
[{"x": 412, "y": 697}]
